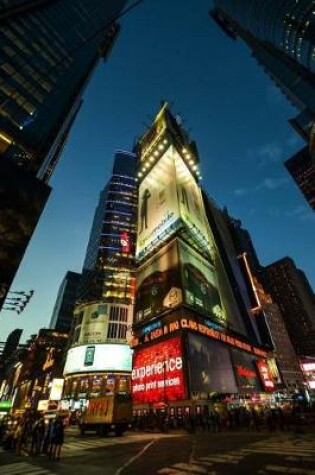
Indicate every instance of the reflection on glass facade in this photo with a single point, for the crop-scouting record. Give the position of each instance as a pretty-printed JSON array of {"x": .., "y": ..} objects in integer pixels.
[
  {"x": 281, "y": 35},
  {"x": 42, "y": 49},
  {"x": 288, "y": 25},
  {"x": 108, "y": 271}
]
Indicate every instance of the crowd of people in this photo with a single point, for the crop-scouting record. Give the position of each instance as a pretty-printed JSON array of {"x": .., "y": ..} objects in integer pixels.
[
  {"x": 266, "y": 418},
  {"x": 33, "y": 434}
]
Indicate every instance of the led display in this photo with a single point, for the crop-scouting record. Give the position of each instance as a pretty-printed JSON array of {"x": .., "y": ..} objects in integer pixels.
[
  {"x": 94, "y": 324},
  {"x": 245, "y": 370},
  {"x": 107, "y": 357},
  {"x": 56, "y": 389},
  {"x": 157, "y": 374},
  {"x": 265, "y": 375},
  {"x": 169, "y": 198},
  {"x": 210, "y": 366}
]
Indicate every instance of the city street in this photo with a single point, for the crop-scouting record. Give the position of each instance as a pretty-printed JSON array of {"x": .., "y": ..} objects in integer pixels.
[{"x": 226, "y": 453}]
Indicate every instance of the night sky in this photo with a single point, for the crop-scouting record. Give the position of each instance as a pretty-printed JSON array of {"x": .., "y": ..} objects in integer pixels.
[{"x": 172, "y": 50}]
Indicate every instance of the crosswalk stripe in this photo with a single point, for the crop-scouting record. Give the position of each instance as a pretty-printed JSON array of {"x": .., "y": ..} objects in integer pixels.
[
  {"x": 23, "y": 468},
  {"x": 292, "y": 471},
  {"x": 190, "y": 468}
]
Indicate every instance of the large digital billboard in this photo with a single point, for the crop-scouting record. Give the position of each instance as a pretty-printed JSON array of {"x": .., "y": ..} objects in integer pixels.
[
  {"x": 92, "y": 358},
  {"x": 169, "y": 197},
  {"x": 157, "y": 373},
  {"x": 245, "y": 370},
  {"x": 210, "y": 365},
  {"x": 158, "y": 284},
  {"x": 94, "y": 323},
  {"x": 199, "y": 283}
]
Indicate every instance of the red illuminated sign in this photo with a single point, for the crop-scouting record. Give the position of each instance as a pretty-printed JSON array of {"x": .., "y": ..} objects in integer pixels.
[
  {"x": 125, "y": 242},
  {"x": 265, "y": 375},
  {"x": 157, "y": 374}
]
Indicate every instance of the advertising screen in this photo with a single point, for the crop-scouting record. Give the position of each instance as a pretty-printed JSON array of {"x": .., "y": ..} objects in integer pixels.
[
  {"x": 56, "y": 389},
  {"x": 94, "y": 324},
  {"x": 107, "y": 357},
  {"x": 245, "y": 370},
  {"x": 158, "y": 203},
  {"x": 210, "y": 366},
  {"x": 265, "y": 375},
  {"x": 157, "y": 374},
  {"x": 191, "y": 206},
  {"x": 158, "y": 284},
  {"x": 200, "y": 287}
]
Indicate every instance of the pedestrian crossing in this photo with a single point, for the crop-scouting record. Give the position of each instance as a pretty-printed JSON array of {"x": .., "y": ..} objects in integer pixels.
[
  {"x": 24, "y": 468},
  {"x": 293, "y": 451}
]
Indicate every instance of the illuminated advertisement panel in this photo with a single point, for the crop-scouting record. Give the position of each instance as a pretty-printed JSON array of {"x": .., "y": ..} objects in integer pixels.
[
  {"x": 265, "y": 375},
  {"x": 210, "y": 366},
  {"x": 94, "y": 324},
  {"x": 200, "y": 287},
  {"x": 91, "y": 358},
  {"x": 56, "y": 389},
  {"x": 157, "y": 374},
  {"x": 245, "y": 371},
  {"x": 191, "y": 206},
  {"x": 158, "y": 284},
  {"x": 158, "y": 203}
]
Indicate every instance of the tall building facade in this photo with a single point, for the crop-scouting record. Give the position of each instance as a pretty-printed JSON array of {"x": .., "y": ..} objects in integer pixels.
[
  {"x": 44, "y": 45},
  {"x": 281, "y": 37},
  {"x": 62, "y": 315},
  {"x": 302, "y": 171},
  {"x": 100, "y": 358},
  {"x": 193, "y": 339},
  {"x": 295, "y": 298}
]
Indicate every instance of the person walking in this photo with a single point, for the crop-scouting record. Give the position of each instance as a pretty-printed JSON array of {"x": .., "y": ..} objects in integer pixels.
[{"x": 57, "y": 439}]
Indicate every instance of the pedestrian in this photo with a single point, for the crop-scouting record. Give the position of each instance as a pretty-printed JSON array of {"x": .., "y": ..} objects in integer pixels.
[
  {"x": 47, "y": 437},
  {"x": 57, "y": 439}
]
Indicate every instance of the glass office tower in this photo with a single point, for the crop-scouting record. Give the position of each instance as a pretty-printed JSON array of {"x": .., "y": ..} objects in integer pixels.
[
  {"x": 44, "y": 45},
  {"x": 281, "y": 36},
  {"x": 100, "y": 357}
]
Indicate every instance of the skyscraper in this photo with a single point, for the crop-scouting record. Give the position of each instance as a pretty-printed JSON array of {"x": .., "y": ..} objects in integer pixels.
[
  {"x": 302, "y": 171},
  {"x": 281, "y": 36},
  {"x": 44, "y": 45},
  {"x": 62, "y": 315},
  {"x": 100, "y": 357},
  {"x": 192, "y": 337},
  {"x": 291, "y": 290}
]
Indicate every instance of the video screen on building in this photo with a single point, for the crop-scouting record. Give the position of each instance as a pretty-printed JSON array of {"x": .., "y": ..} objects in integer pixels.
[
  {"x": 210, "y": 367},
  {"x": 158, "y": 284},
  {"x": 199, "y": 283},
  {"x": 157, "y": 374},
  {"x": 106, "y": 357},
  {"x": 94, "y": 324},
  {"x": 169, "y": 197},
  {"x": 245, "y": 370}
]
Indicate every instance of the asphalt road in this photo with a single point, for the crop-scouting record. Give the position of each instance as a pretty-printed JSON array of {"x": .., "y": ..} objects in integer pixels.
[{"x": 242, "y": 453}]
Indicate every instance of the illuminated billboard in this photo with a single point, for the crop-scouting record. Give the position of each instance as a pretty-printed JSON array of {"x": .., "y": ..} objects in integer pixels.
[
  {"x": 169, "y": 198},
  {"x": 158, "y": 284},
  {"x": 245, "y": 371},
  {"x": 177, "y": 274},
  {"x": 157, "y": 374},
  {"x": 199, "y": 282},
  {"x": 56, "y": 389},
  {"x": 94, "y": 323},
  {"x": 265, "y": 375},
  {"x": 91, "y": 358},
  {"x": 210, "y": 367}
]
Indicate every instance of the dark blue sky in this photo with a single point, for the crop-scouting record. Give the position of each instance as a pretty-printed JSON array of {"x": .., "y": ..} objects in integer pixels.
[{"x": 172, "y": 50}]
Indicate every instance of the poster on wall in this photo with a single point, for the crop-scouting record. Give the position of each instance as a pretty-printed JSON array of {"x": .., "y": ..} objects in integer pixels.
[
  {"x": 158, "y": 284},
  {"x": 94, "y": 324},
  {"x": 245, "y": 370},
  {"x": 210, "y": 366},
  {"x": 200, "y": 287},
  {"x": 157, "y": 374}
]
